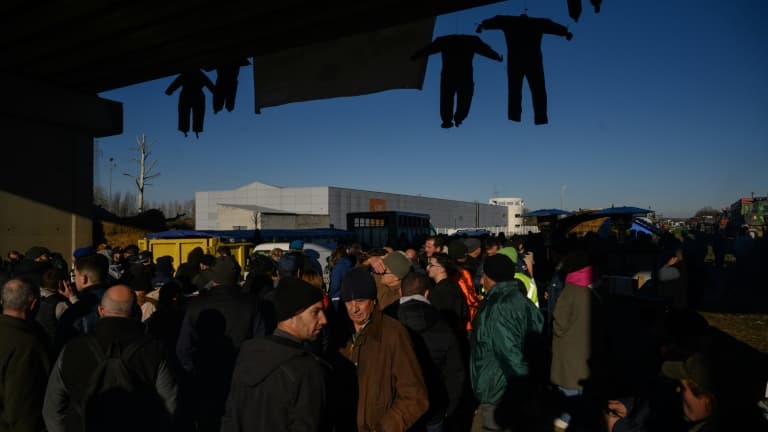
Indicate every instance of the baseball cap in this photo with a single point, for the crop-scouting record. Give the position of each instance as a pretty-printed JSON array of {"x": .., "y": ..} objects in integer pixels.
[{"x": 696, "y": 368}]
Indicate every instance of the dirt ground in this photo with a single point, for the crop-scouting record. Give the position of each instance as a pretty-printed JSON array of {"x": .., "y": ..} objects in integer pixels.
[{"x": 752, "y": 329}]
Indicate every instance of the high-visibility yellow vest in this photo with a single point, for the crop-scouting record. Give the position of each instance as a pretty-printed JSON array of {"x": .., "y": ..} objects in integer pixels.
[{"x": 530, "y": 285}]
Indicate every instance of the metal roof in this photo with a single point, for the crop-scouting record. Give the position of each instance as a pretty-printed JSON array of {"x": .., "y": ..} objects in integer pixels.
[{"x": 98, "y": 45}]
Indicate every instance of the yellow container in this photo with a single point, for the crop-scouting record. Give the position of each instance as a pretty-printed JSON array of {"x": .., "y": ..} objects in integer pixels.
[
  {"x": 240, "y": 252},
  {"x": 179, "y": 248}
]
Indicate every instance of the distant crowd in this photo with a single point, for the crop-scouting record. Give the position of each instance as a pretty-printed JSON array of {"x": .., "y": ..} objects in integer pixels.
[{"x": 451, "y": 334}]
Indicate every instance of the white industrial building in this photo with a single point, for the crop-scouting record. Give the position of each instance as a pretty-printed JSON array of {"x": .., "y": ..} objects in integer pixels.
[
  {"x": 515, "y": 210},
  {"x": 263, "y": 206}
]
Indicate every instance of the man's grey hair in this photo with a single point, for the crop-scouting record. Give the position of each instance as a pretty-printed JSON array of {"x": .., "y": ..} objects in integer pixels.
[
  {"x": 18, "y": 295},
  {"x": 118, "y": 307}
]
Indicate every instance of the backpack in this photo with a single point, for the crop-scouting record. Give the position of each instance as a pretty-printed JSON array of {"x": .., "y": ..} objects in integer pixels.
[{"x": 113, "y": 389}]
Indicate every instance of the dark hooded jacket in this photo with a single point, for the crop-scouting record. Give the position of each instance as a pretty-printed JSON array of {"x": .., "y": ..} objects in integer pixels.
[
  {"x": 277, "y": 386},
  {"x": 438, "y": 352}
]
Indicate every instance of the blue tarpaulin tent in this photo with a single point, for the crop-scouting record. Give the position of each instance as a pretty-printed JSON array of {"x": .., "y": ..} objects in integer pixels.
[
  {"x": 620, "y": 211},
  {"x": 606, "y": 228},
  {"x": 547, "y": 212}
]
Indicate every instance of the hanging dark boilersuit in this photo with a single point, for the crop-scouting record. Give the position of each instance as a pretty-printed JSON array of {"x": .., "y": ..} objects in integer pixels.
[
  {"x": 523, "y": 35},
  {"x": 191, "y": 99},
  {"x": 456, "y": 78},
  {"x": 574, "y": 8},
  {"x": 226, "y": 85}
]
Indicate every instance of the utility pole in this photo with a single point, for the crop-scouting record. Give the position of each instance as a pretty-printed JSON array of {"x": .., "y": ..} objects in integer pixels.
[
  {"x": 562, "y": 197},
  {"x": 112, "y": 164}
]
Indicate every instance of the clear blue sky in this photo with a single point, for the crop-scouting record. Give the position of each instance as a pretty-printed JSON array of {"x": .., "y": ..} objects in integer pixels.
[{"x": 652, "y": 104}]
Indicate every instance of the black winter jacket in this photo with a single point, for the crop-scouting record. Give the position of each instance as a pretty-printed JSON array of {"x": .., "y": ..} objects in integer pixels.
[
  {"x": 439, "y": 354},
  {"x": 277, "y": 386},
  {"x": 72, "y": 371}
]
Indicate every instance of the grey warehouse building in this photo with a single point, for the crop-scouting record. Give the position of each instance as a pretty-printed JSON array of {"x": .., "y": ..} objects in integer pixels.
[{"x": 262, "y": 206}]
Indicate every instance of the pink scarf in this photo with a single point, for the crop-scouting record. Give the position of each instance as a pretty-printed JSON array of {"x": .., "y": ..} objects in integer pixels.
[{"x": 581, "y": 277}]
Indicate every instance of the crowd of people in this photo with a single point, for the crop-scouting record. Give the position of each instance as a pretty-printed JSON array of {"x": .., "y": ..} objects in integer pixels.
[{"x": 452, "y": 334}]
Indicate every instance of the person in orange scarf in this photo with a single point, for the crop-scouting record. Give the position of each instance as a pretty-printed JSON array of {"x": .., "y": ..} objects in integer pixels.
[{"x": 457, "y": 251}]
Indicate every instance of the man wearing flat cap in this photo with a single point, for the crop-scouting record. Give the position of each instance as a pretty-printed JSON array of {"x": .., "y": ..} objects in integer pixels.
[
  {"x": 507, "y": 319},
  {"x": 389, "y": 271},
  {"x": 697, "y": 389},
  {"x": 392, "y": 395},
  {"x": 278, "y": 385}
]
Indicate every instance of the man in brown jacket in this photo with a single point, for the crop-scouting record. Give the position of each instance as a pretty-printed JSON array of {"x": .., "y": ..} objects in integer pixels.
[{"x": 392, "y": 394}]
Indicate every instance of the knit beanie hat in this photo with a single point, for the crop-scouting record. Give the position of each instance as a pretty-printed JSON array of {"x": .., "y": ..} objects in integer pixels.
[
  {"x": 36, "y": 252},
  {"x": 208, "y": 260},
  {"x": 139, "y": 278},
  {"x": 575, "y": 260},
  {"x": 472, "y": 244},
  {"x": 457, "y": 249},
  {"x": 398, "y": 264},
  {"x": 290, "y": 263},
  {"x": 83, "y": 251},
  {"x": 164, "y": 265},
  {"x": 292, "y": 296},
  {"x": 499, "y": 268},
  {"x": 358, "y": 284}
]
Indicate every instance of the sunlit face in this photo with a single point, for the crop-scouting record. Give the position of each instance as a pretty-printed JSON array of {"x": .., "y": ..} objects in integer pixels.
[
  {"x": 359, "y": 310},
  {"x": 695, "y": 408},
  {"x": 388, "y": 278},
  {"x": 429, "y": 247},
  {"x": 308, "y": 324}
]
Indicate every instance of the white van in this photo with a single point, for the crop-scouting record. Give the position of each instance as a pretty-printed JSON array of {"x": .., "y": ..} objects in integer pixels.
[{"x": 314, "y": 250}]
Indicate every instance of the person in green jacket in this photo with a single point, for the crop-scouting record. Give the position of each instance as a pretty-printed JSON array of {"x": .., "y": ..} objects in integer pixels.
[{"x": 505, "y": 324}]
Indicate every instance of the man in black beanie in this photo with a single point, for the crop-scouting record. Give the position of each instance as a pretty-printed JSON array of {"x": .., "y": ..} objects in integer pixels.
[{"x": 278, "y": 385}]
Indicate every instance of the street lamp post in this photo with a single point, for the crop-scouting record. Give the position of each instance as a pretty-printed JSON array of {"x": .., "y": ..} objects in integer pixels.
[{"x": 112, "y": 164}]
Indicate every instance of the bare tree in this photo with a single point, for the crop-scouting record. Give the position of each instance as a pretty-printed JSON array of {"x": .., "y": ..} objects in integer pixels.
[
  {"x": 145, "y": 170},
  {"x": 100, "y": 196}
]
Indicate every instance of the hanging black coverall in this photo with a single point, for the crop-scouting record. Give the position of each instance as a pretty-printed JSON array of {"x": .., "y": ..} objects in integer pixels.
[
  {"x": 456, "y": 78},
  {"x": 226, "y": 85},
  {"x": 191, "y": 99},
  {"x": 574, "y": 8},
  {"x": 523, "y": 35}
]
